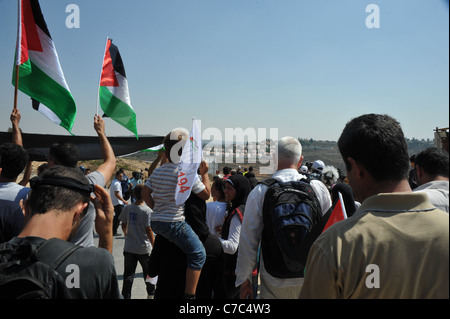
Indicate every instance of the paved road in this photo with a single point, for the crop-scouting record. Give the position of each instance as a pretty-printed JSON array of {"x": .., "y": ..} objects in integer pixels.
[{"x": 138, "y": 291}]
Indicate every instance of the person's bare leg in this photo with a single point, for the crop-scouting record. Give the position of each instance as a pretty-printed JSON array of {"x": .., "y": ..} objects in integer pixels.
[{"x": 192, "y": 277}]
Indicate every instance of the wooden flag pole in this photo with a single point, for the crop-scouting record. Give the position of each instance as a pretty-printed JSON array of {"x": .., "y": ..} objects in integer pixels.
[
  {"x": 18, "y": 50},
  {"x": 16, "y": 87}
]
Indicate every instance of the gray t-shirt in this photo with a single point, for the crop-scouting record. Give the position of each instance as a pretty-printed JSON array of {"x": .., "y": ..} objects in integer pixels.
[
  {"x": 85, "y": 233},
  {"x": 137, "y": 218},
  {"x": 13, "y": 192}
]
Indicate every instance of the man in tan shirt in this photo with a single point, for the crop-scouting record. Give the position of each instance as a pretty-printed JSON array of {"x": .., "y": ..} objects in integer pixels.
[{"x": 397, "y": 243}]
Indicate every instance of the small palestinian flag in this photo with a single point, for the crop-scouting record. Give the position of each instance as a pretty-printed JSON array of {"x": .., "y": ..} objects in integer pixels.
[
  {"x": 156, "y": 148},
  {"x": 40, "y": 74},
  {"x": 337, "y": 214},
  {"x": 113, "y": 93}
]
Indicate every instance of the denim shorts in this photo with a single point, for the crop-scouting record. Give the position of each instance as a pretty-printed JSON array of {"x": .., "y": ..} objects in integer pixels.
[{"x": 182, "y": 235}]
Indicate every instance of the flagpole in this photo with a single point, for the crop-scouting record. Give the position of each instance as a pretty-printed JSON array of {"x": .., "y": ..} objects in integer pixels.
[
  {"x": 16, "y": 87},
  {"x": 343, "y": 206},
  {"x": 18, "y": 50},
  {"x": 100, "y": 78}
]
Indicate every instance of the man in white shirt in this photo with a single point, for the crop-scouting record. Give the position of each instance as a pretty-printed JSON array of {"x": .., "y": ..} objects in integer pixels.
[
  {"x": 289, "y": 159},
  {"x": 432, "y": 176},
  {"x": 117, "y": 200}
]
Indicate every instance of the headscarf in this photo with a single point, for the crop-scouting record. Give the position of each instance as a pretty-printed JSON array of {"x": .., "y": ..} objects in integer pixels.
[
  {"x": 242, "y": 186},
  {"x": 347, "y": 195}
]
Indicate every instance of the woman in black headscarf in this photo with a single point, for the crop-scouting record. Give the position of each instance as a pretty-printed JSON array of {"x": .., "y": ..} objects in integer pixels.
[
  {"x": 347, "y": 196},
  {"x": 349, "y": 202},
  {"x": 236, "y": 189}
]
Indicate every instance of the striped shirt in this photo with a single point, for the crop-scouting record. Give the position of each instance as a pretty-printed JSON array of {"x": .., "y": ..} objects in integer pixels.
[{"x": 163, "y": 183}]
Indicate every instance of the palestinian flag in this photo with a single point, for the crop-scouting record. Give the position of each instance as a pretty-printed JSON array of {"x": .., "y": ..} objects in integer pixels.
[
  {"x": 154, "y": 148},
  {"x": 191, "y": 157},
  {"x": 113, "y": 93},
  {"x": 337, "y": 214},
  {"x": 40, "y": 74}
]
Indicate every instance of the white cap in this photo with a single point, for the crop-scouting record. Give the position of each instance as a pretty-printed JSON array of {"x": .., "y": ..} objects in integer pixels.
[{"x": 318, "y": 165}]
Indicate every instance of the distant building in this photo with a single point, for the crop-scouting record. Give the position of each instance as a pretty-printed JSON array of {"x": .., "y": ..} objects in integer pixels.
[{"x": 441, "y": 138}]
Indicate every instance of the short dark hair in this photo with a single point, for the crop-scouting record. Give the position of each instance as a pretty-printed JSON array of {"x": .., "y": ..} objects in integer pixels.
[
  {"x": 377, "y": 142},
  {"x": 226, "y": 170},
  {"x": 13, "y": 159},
  {"x": 434, "y": 161},
  {"x": 138, "y": 191},
  {"x": 170, "y": 140},
  {"x": 64, "y": 154},
  {"x": 218, "y": 185},
  {"x": 41, "y": 168},
  {"x": 48, "y": 197}
]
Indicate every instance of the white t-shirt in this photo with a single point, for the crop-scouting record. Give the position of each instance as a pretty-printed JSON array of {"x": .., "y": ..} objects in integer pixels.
[
  {"x": 115, "y": 187},
  {"x": 215, "y": 215}
]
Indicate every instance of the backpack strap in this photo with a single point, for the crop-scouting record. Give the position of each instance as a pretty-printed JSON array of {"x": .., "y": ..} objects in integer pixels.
[
  {"x": 269, "y": 182},
  {"x": 272, "y": 181},
  {"x": 54, "y": 251},
  {"x": 240, "y": 215}
]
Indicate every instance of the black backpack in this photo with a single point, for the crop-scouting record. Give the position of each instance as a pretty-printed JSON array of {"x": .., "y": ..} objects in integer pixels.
[
  {"x": 292, "y": 222},
  {"x": 28, "y": 272}
]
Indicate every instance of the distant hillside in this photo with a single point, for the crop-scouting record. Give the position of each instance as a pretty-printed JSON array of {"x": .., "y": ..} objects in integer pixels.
[{"x": 327, "y": 151}]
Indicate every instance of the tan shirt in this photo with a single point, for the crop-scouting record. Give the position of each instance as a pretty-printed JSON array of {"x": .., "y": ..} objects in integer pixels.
[{"x": 395, "y": 246}]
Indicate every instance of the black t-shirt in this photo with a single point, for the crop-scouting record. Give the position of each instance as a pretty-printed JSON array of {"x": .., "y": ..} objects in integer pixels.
[{"x": 97, "y": 273}]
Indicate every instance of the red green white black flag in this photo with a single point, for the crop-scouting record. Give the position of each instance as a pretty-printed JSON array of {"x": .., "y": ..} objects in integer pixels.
[
  {"x": 39, "y": 72},
  {"x": 113, "y": 92}
]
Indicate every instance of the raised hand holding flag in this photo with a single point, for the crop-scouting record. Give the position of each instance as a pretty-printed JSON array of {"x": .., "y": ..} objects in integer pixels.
[{"x": 37, "y": 71}]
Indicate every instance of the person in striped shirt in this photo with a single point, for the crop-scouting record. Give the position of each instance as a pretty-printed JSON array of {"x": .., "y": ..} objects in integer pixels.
[{"x": 167, "y": 218}]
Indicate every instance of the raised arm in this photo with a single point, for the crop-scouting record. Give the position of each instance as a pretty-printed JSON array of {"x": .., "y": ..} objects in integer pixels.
[
  {"x": 157, "y": 160},
  {"x": 109, "y": 158},
  {"x": 104, "y": 211},
  {"x": 26, "y": 174},
  {"x": 203, "y": 170},
  {"x": 16, "y": 134}
]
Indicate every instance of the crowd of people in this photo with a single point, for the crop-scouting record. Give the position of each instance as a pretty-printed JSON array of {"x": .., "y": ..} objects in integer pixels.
[{"x": 239, "y": 237}]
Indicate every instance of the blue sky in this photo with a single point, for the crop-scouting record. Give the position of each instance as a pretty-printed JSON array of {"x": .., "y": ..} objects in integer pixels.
[{"x": 303, "y": 67}]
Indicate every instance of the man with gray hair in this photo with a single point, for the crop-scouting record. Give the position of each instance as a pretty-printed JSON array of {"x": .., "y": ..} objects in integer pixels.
[{"x": 288, "y": 159}]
